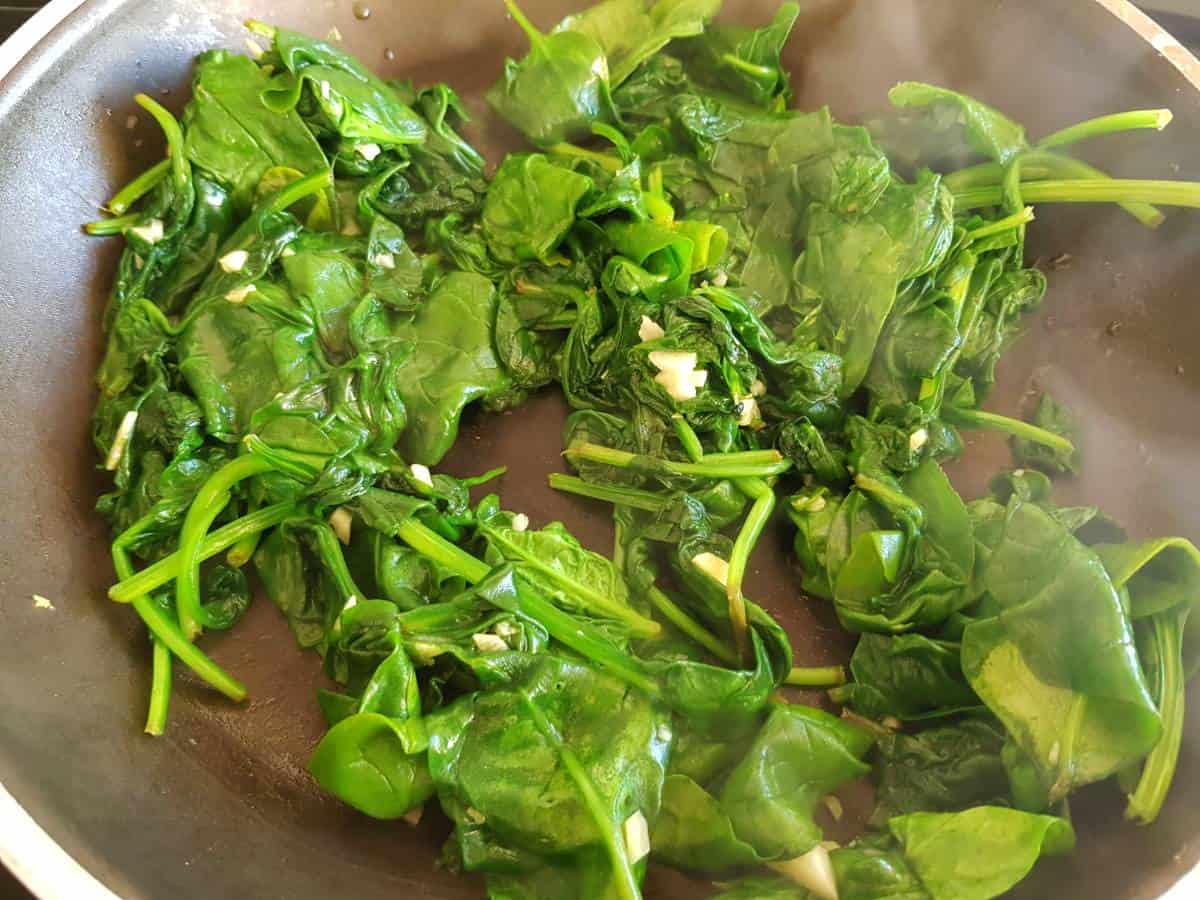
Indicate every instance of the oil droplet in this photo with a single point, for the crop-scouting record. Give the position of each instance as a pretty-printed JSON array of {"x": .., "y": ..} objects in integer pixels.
[
  {"x": 361, "y": 10},
  {"x": 389, "y": 54}
]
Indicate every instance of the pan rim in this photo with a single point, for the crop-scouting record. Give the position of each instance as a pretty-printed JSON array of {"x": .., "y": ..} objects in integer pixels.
[{"x": 27, "y": 850}]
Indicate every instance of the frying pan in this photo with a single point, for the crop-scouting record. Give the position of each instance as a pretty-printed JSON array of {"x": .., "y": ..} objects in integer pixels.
[{"x": 222, "y": 806}]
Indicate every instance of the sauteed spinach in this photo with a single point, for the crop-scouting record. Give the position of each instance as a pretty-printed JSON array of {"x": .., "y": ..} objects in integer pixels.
[{"x": 753, "y": 309}]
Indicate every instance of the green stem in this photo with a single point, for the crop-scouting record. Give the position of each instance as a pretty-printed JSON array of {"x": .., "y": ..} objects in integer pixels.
[
  {"x": 739, "y": 557},
  {"x": 604, "y": 160},
  {"x": 296, "y": 191},
  {"x": 1041, "y": 166},
  {"x": 330, "y": 550},
  {"x": 977, "y": 418},
  {"x": 651, "y": 465},
  {"x": 109, "y": 227},
  {"x": 160, "y": 690},
  {"x": 734, "y": 61},
  {"x": 189, "y": 654},
  {"x": 167, "y": 568},
  {"x": 745, "y": 457},
  {"x": 489, "y": 475},
  {"x": 1158, "y": 771},
  {"x": 536, "y": 38},
  {"x": 207, "y": 505},
  {"x": 621, "y": 496},
  {"x": 816, "y": 676},
  {"x": 176, "y": 153},
  {"x": 1112, "y": 190},
  {"x": 160, "y": 679},
  {"x": 1017, "y": 219},
  {"x": 690, "y": 627},
  {"x": 138, "y": 188},
  {"x": 692, "y": 448},
  {"x": 441, "y": 551},
  {"x": 1134, "y": 120}
]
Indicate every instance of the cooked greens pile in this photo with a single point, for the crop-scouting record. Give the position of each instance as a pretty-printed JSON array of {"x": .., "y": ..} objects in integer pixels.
[{"x": 751, "y": 309}]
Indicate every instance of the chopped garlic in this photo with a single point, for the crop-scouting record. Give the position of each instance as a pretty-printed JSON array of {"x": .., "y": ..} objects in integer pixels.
[
  {"x": 383, "y": 261},
  {"x": 423, "y": 653},
  {"x": 918, "y": 439},
  {"x": 340, "y": 519},
  {"x": 234, "y": 261},
  {"x": 676, "y": 373},
  {"x": 749, "y": 411},
  {"x": 520, "y": 522},
  {"x": 636, "y": 831},
  {"x": 721, "y": 278},
  {"x": 421, "y": 474},
  {"x": 239, "y": 295},
  {"x": 152, "y": 232},
  {"x": 650, "y": 330},
  {"x": 813, "y": 870},
  {"x": 812, "y": 504},
  {"x": 489, "y": 643},
  {"x": 474, "y": 816},
  {"x": 351, "y": 602},
  {"x": 758, "y": 388},
  {"x": 369, "y": 152},
  {"x": 413, "y": 816},
  {"x": 334, "y": 34},
  {"x": 287, "y": 251},
  {"x": 40, "y": 602},
  {"x": 505, "y": 629},
  {"x": 713, "y": 566},
  {"x": 351, "y": 228},
  {"x": 121, "y": 440},
  {"x": 325, "y": 89},
  {"x": 254, "y": 48},
  {"x": 834, "y": 805},
  {"x": 892, "y": 723}
]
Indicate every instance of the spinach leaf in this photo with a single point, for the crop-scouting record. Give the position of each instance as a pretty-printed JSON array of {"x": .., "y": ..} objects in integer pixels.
[
  {"x": 853, "y": 265},
  {"x": 909, "y": 677},
  {"x": 530, "y": 206},
  {"x": 764, "y": 807},
  {"x": 453, "y": 363},
  {"x": 979, "y": 853},
  {"x": 1052, "y": 653},
  {"x": 941, "y": 769},
  {"x": 233, "y": 137},
  {"x": 343, "y": 95},
  {"x": 552, "y": 763},
  {"x": 558, "y": 90},
  {"x": 987, "y": 131}
]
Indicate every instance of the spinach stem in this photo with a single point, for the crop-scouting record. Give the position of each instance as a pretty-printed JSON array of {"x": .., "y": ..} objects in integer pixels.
[
  {"x": 651, "y": 465},
  {"x": 138, "y": 188},
  {"x": 1158, "y": 771},
  {"x": 977, "y": 418},
  {"x": 604, "y": 160},
  {"x": 189, "y": 654},
  {"x": 751, "y": 530},
  {"x": 1017, "y": 219},
  {"x": 816, "y": 676},
  {"x": 167, "y": 568},
  {"x": 1136, "y": 119},
  {"x": 745, "y": 457},
  {"x": 160, "y": 672},
  {"x": 536, "y": 38},
  {"x": 160, "y": 689},
  {"x": 330, "y": 551},
  {"x": 176, "y": 153},
  {"x": 1111, "y": 190},
  {"x": 428, "y": 543},
  {"x": 210, "y": 500},
  {"x": 672, "y": 612},
  {"x": 621, "y": 496},
  {"x": 692, "y": 448},
  {"x": 107, "y": 227},
  {"x": 1041, "y": 166}
]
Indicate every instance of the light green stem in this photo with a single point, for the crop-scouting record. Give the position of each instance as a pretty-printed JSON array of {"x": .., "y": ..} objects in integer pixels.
[
  {"x": 816, "y": 676},
  {"x": 1134, "y": 120}
]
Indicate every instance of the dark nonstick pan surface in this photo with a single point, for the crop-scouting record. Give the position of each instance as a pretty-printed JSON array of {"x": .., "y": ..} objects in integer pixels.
[{"x": 222, "y": 806}]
